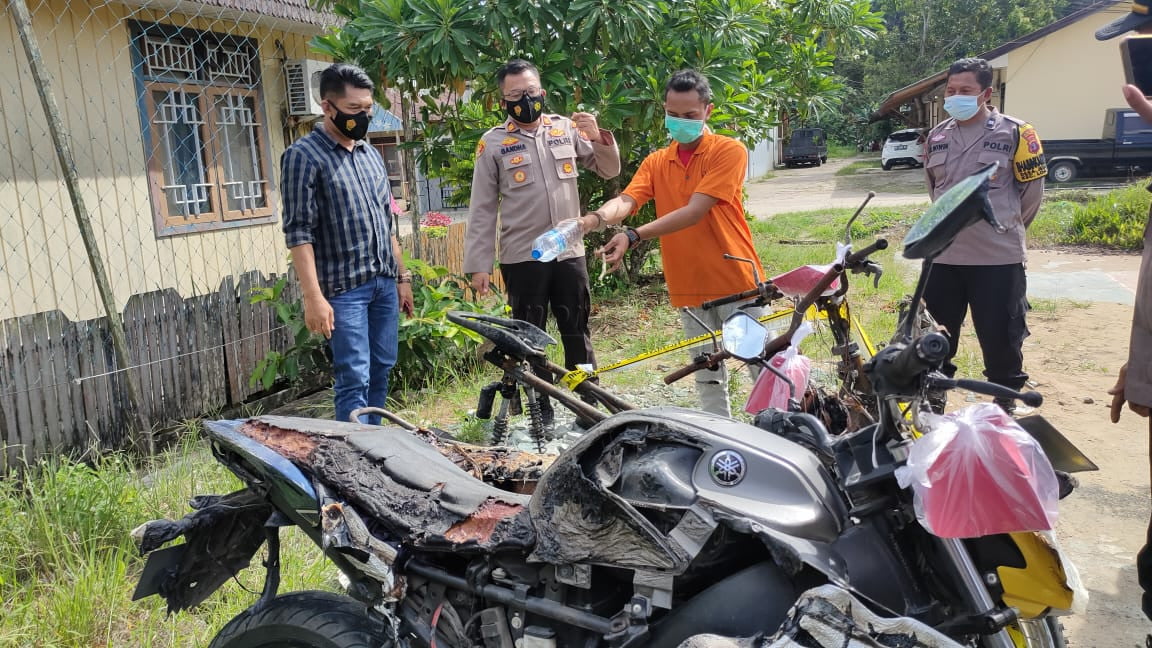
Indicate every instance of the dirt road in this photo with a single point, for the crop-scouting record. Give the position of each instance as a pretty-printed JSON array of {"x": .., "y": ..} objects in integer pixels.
[{"x": 810, "y": 188}]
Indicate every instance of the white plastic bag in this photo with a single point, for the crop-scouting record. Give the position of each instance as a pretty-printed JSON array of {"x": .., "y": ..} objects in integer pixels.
[
  {"x": 977, "y": 473},
  {"x": 769, "y": 390}
]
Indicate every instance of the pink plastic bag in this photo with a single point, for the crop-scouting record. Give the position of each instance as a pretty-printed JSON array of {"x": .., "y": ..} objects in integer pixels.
[
  {"x": 977, "y": 473},
  {"x": 769, "y": 390}
]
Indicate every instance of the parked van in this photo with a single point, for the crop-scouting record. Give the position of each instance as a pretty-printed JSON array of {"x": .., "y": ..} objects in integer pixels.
[
  {"x": 903, "y": 147},
  {"x": 806, "y": 146}
]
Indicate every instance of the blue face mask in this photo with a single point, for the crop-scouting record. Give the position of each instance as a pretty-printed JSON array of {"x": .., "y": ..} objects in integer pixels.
[
  {"x": 684, "y": 131},
  {"x": 962, "y": 107}
]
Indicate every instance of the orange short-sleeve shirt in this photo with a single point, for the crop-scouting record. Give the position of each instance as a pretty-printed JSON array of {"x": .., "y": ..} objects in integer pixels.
[{"x": 694, "y": 264}]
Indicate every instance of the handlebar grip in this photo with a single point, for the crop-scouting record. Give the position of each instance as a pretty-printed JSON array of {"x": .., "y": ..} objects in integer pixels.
[
  {"x": 747, "y": 294},
  {"x": 861, "y": 255},
  {"x": 703, "y": 363},
  {"x": 1031, "y": 399},
  {"x": 925, "y": 353}
]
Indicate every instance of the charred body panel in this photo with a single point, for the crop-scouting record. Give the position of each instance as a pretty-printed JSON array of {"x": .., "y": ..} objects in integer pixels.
[
  {"x": 412, "y": 493},
  {"x": 230, "y": 529}
]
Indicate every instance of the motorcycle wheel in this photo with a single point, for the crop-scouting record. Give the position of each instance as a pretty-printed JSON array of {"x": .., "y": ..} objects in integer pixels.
[{"x": 306, "y": 620}]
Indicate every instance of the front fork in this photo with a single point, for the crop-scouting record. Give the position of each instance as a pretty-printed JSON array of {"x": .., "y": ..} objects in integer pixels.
[
  {"x": 1033, "y": 633},
  {"x": 974, "y": 590}
]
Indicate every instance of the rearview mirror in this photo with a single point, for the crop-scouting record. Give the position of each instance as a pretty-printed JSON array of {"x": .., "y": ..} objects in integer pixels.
[
  {"x": 959, "y": 207},
  {"x": 744, "y": 336}
]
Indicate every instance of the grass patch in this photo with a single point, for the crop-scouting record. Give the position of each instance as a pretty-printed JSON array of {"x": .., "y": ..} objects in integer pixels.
[
  {"x": 1113, "y": 220},
  {"x": 68, "y": 566},
  {"x": 842, "y": 151},
  {"x": 856, "y": 167}
]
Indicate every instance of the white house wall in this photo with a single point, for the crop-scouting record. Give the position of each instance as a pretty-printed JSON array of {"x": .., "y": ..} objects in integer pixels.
[{"x": 42, "y": 260}]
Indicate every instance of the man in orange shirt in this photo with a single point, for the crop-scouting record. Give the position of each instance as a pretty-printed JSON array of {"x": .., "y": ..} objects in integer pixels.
[{"x": 697, "y": 183}]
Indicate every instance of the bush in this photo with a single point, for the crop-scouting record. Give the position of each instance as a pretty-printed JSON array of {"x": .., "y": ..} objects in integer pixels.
[
  {"x": 430, "y": 345},
  {"x": 1116, "y": 219}
]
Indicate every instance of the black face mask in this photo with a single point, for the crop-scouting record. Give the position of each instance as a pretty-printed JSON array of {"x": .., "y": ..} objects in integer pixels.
[
  {"x": 352, "y": 126},
  {"x": 527, "y": 110}
]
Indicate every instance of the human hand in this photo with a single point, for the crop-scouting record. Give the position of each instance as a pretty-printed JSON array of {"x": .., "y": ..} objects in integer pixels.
[
  {"x": 404, "y": 295},
  {"x": 319, "y": 316},
  {"x": 1118, "y": 398},
  {"x": 481, "y": 282},
  {"x": 1138, "y": 102},
  {"x": 586, "y": 123},
  {"x": 613, "y": 251},
  {"x": 589, "y": 223}
]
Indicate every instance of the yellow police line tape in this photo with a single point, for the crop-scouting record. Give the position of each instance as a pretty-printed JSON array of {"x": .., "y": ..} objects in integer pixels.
[{"x": 573, "y": 378}]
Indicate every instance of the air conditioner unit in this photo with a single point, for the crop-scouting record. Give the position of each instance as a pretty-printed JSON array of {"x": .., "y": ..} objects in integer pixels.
[{"x": 302, "y": 82}]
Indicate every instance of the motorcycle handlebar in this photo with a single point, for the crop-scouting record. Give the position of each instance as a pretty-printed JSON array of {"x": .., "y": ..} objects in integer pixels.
[
  {"x": 925, "y": 353},
  {"x": 863, "y": 254},
  {"x": 706, "y": 362},
  {"x": 781, "y": 342},
  {"x": 747, "y": 294},
  {"x": 1031, "y": 399}
]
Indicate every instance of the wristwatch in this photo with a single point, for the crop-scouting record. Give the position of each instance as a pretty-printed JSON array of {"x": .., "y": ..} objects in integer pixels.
[{"x": 633, "y": 237}]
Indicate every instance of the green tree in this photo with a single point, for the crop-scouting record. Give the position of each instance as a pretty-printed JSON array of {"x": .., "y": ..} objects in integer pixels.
[
  {"x": 924, "y": 36},
  {"x": 610, "y": 57}
]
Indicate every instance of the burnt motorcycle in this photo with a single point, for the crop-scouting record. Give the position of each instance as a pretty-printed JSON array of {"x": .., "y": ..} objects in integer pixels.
[{"x": 657, "y": 526}]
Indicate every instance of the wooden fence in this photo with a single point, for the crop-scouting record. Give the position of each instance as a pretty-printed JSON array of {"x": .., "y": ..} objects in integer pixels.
[
  {"x": 447, "y": 251},
  {"x": 63, "y": 392}
]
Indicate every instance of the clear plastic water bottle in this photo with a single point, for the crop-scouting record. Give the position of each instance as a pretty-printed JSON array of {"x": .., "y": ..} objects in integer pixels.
[{"x": 552, "y": 243}]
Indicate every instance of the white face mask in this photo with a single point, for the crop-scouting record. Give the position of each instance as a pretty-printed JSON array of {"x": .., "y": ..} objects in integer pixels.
[{"x": 962, "y": 107}]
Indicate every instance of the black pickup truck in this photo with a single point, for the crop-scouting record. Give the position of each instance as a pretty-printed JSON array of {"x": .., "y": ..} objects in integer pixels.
[{"x": 1125, "y": 146}]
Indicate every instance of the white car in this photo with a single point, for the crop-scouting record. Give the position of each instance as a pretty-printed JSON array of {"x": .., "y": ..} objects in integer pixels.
[{"x": 903, "y": 147}]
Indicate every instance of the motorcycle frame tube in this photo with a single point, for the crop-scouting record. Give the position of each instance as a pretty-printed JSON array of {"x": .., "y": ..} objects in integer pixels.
[{"x": 535, "y": 605}]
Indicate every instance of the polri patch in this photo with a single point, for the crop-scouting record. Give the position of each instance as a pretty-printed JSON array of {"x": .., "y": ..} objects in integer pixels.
[{"x": 1028, "y": 164}]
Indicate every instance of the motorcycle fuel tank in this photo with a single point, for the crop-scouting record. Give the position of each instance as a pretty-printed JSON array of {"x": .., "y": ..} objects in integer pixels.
[{"x": 601, "y": 501}]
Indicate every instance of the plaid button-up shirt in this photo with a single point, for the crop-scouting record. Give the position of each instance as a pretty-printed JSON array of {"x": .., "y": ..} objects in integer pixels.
[{"x": 340, "y": 202}]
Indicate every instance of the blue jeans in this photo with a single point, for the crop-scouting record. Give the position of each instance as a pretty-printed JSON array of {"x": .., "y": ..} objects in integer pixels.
[{"x": 364, "y": 345}]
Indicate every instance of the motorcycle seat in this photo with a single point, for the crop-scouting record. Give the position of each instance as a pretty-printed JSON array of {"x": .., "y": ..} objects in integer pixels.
[{"x": 416, "y": 494}]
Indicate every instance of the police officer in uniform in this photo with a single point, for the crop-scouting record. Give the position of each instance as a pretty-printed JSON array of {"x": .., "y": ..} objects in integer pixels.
[
  {"x": 983, "y": 270},
  {"x": 524, "y": 183}
]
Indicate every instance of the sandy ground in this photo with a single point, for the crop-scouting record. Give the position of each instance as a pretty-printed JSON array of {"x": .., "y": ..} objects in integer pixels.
[
  {"x": 807, "y": 188},
  {"x": 1079, "y": 339},
  {"x": 1072, "y": 356}
]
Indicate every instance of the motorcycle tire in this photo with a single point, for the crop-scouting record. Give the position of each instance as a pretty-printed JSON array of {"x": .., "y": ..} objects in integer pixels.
[{"x": 306, "y": 620}]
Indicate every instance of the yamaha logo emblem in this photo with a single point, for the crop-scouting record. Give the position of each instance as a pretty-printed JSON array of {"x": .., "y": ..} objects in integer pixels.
[{"x": 728, "y": 467}]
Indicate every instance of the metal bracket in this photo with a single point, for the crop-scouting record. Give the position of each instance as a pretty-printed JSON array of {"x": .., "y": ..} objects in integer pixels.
[
  {"x": 575, "y": 575},
  {"x": 653, "y": 589}
]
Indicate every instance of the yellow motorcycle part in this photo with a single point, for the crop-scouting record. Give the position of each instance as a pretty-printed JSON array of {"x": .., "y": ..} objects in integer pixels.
[{"x": 1041, "y": 585}]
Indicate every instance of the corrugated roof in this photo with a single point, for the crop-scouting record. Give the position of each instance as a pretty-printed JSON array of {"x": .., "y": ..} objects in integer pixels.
[{"x": 295, "y": 10}]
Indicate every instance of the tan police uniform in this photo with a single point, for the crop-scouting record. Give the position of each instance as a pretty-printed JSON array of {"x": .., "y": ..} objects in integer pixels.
[
  {"x": 955, "y": 152},
  {"x": 983, "y": 270},
  {"x": 524, "y": 184},
  {"x": 530, "y": 180}
]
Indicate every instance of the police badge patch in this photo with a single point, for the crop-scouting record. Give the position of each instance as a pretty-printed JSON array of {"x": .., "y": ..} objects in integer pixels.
[{"x": 1028, "y": 163}]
